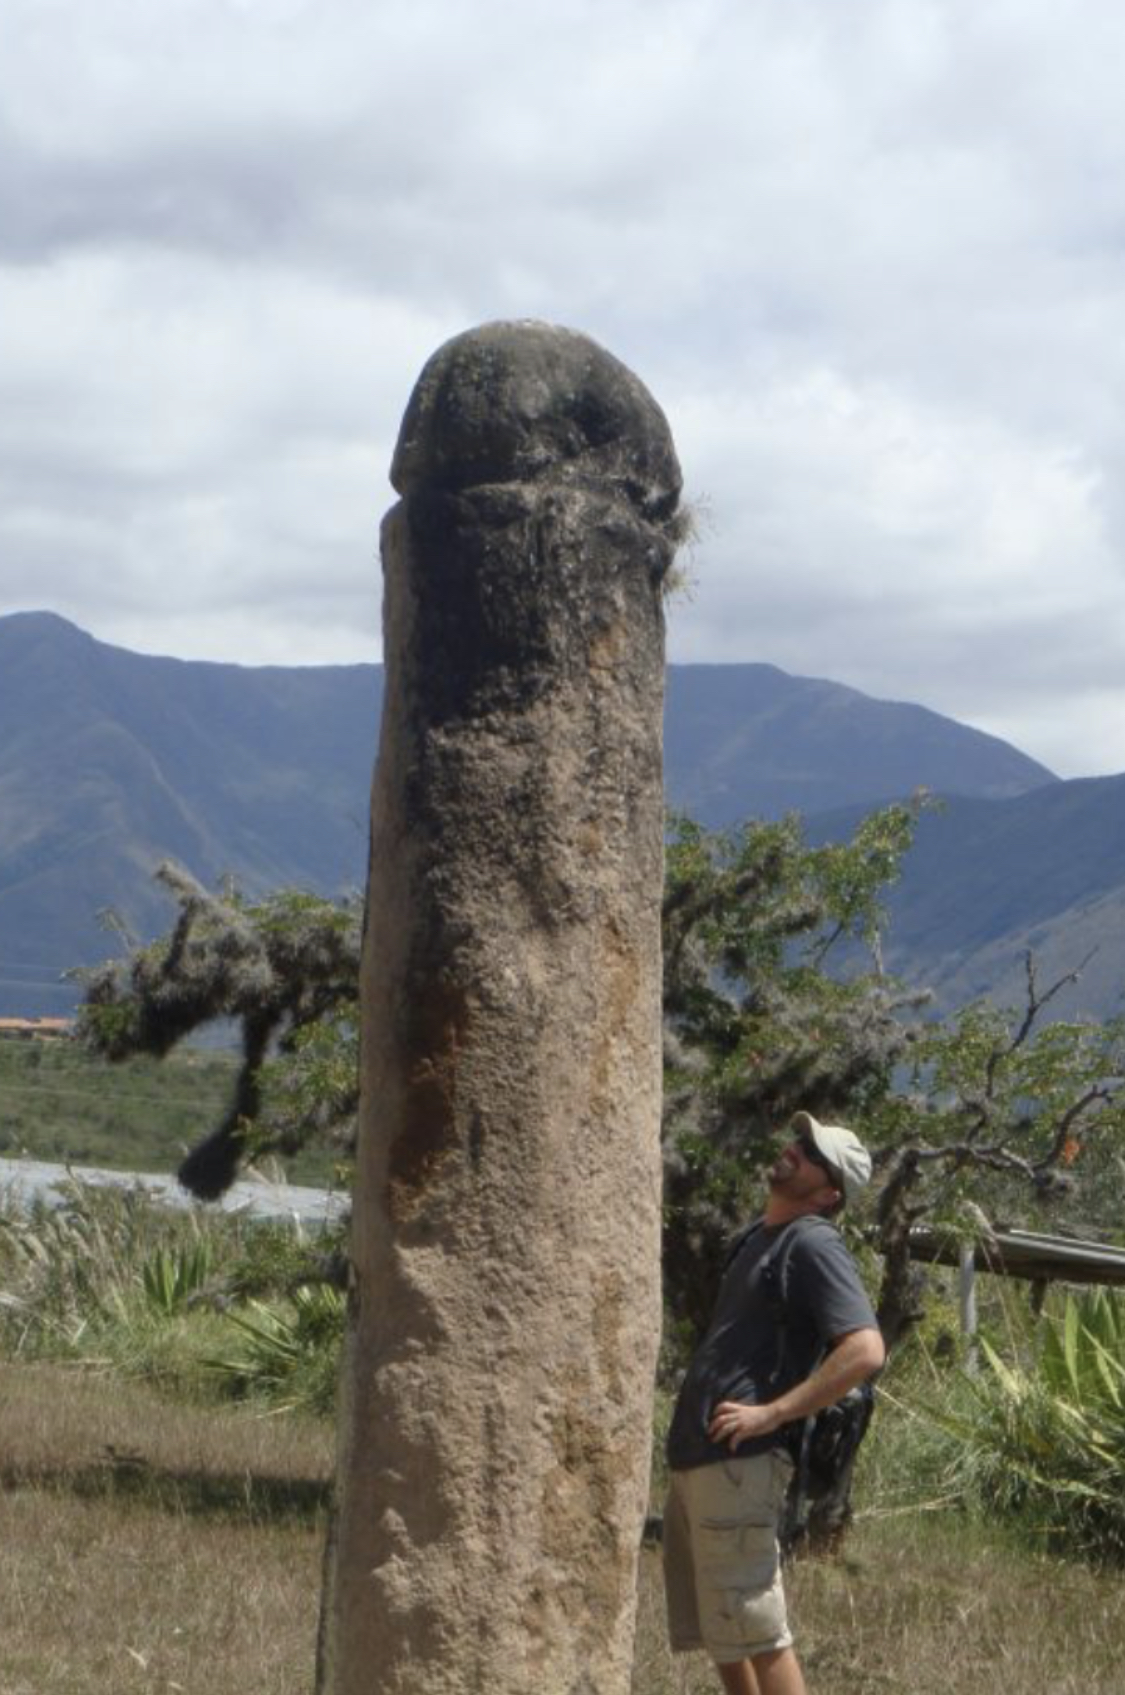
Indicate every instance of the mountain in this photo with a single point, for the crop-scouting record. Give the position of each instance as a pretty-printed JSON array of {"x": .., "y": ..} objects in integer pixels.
[
  {"x": 111, "y": 761},
  {"x": 751, "y": 741},
  {"x": 988, "y": 882}
]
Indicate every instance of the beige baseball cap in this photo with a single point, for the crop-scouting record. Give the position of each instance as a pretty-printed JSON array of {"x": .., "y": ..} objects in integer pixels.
[{"x": 842, "y": 1149}]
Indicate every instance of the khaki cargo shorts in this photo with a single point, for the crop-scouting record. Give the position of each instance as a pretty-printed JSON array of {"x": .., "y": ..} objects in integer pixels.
[{"x": 722, "y": 1569}]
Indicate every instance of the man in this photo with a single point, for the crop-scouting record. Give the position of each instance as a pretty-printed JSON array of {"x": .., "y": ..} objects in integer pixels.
[{"x": 793, "y": 1331}]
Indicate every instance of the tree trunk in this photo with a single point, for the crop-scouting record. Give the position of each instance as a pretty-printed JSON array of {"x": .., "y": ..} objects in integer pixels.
[{"x": 495, "y": 1424}]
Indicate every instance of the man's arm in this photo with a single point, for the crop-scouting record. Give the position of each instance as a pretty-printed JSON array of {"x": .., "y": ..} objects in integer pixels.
[{"x": 852, "y": 1358}]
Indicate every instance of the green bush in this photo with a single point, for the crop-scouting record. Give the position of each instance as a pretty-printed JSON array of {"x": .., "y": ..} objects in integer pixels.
[
  {"x": 115, "y": 1279},
  {"x": 1040, "y": 1439},
  {"x": 287, "y": 1353},
  {"x": 272, "y": 1256}
]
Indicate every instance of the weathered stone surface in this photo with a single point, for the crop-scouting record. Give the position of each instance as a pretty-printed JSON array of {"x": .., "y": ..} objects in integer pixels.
[
  {"x": 513, "y": 402},
  {"x": 495, "y": 1427}
]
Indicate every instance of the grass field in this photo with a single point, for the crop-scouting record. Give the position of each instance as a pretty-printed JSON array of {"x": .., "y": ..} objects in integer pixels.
[
  {"x": 60, "y": 1103},
  {"x": 171, "y": 1549},
  {"x": 152, "y": 1547}
]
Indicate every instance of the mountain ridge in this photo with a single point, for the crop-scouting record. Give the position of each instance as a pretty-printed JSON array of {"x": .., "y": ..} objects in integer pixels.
[
  {"x": 848, "y": 739},
  {"x": 111, "y": 761},
  {"x": 989, "y": 882}
]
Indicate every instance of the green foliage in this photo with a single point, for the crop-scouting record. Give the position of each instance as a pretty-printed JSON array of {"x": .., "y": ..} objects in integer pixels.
[
  {"x": 1014, "y": 1096},
  {"x": 1039, "y": 1438},
  {"x": 756, "y": 1025},
  {"x": 287, "y": 1353},
  {"x": 170, "y": 1277},
  {"x": 113, "y": 1279},
  {"x": 281, "y": 960},
  {"x": 997, "y": 1115},
  {"x": 70, "y": 1270},
  {"x": 275, "y": 1255},
  {"x": 279, "y": 968},
  {"x": 310, "y": 1090},
  {"x": 853, "y": 877},
  {"x": 1083, "y": 1357}
]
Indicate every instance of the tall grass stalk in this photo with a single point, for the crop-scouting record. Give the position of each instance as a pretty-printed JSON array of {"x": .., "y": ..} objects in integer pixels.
[{"x": 114, "y": 1280}]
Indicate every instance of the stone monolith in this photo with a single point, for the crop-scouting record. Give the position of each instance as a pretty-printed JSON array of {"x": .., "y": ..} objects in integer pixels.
[{"x": 495, "y": 1423}]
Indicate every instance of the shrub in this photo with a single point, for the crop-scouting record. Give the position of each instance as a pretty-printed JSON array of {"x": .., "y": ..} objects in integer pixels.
[
  {"x": 113, "y": 1278},
  {"x": 1042, "y": 1440},
  {"x": 287, "y": 1353}
]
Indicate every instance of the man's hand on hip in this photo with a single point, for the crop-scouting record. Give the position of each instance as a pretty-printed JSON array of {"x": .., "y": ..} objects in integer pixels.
[
  {"x": 851, "y": 1358},
  {"x": 734, "y": 1423}
]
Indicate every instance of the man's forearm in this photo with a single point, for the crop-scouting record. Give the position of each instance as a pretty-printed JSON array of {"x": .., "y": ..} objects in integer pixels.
[{"x": 855, "y": 1357}]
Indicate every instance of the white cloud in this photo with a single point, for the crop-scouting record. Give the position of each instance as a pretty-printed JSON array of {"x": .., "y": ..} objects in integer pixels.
[
  {"x": 868, "y": 257},
  {"x": 880, "y": 544}
]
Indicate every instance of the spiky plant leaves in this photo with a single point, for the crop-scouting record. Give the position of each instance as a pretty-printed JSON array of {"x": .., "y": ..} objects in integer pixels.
[
  {"x": 171, "y": 1276},
  {"x": 1042, "y": 1439},
  {"x": 287, "y": 1352}
]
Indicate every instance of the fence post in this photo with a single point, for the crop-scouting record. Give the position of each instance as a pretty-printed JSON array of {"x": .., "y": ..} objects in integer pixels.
[{"x": 967, "y": 1296}]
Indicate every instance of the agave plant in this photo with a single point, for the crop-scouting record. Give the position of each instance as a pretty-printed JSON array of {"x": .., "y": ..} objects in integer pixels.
[
  {"x": 172, "y": 1275},
  {"x": 287, "y": 1352},
  {"x": 1044, "y": 1439},
  {"x": 1083, "y": 1356}
]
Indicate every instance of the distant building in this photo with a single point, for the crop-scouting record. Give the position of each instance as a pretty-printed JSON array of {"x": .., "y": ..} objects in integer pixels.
[{"x": 43, "y": 1029}]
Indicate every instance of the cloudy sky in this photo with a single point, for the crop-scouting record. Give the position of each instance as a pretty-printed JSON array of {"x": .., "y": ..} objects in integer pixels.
[{"x": 867, "y": 254}]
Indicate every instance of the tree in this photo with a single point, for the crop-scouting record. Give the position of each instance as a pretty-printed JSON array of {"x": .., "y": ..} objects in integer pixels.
[
  {"x": 775, "y": 999},
  {"x": 285, "y": 970},
  {"x": 1001, "y": 1115},
  {"x": 754, "y": 1024}
]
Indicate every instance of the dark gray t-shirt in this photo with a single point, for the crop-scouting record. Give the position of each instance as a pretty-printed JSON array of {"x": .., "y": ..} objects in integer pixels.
[{"x": 801, "y": 1272}]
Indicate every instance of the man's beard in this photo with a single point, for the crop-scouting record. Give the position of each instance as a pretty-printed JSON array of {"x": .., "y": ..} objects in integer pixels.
[{"x": 781, "y": 1171}]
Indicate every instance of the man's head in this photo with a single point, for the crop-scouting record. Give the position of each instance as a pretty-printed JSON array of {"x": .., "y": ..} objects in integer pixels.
[{"x": 823, "y": 1167}]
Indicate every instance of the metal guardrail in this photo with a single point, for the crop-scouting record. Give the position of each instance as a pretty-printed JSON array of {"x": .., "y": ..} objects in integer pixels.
[{"x": 1024, "y": 1253}]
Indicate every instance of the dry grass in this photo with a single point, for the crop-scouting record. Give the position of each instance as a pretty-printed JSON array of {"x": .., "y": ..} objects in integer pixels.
[
  {"x": 157, "y": 1548},
  {"x": 154, "y": 1548},
  {"x": 932, "y": 1607},
  {"x": 922, "y": 1605}
]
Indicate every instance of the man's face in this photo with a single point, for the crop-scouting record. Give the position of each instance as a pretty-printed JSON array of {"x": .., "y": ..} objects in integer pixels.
[{"x": 799, "y": 1173}]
